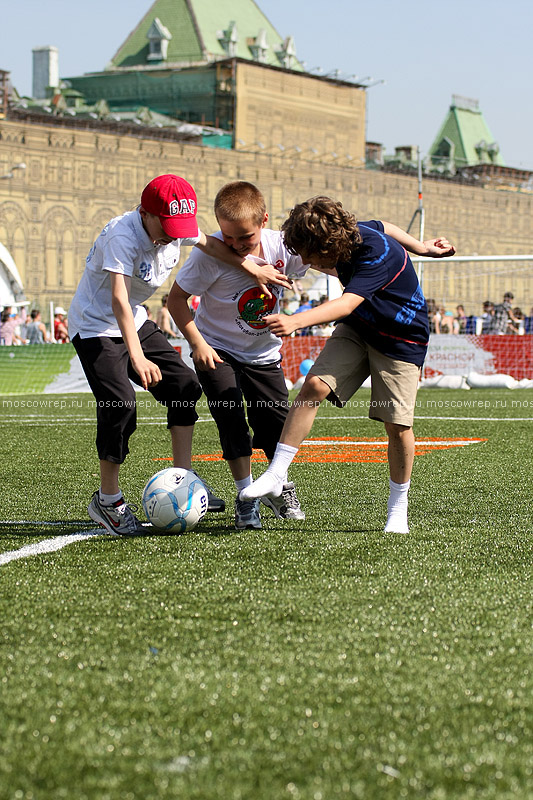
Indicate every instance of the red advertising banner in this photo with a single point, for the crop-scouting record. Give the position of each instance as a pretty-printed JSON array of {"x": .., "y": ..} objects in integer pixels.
[{"x": 447, "y": 355}]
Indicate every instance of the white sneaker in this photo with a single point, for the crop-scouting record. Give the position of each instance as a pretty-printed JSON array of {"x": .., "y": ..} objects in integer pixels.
[
  {"x": 247, "y": 514},
  {"x": 118, "y": 518},
  {"x": 287, "y": 505}
]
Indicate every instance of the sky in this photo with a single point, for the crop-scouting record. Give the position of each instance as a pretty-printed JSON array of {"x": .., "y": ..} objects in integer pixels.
[{"x": 417, "y": 53}]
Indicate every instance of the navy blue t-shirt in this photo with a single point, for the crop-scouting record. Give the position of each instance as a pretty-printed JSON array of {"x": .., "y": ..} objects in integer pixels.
[{"x": 393, "y": 317}]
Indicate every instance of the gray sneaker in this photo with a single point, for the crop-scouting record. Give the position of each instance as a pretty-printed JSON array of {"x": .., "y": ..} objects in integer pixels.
[
  {"x": 247, "y": 514},
  {"x": 287, "y": 505},
  {"x": 118, "y": 518}
]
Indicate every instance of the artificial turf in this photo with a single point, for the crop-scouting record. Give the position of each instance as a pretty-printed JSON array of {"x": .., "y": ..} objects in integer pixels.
[{"x": 316, "y": 660}]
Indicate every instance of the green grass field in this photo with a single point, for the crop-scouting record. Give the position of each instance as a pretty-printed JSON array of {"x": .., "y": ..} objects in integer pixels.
[{"x": 313, "y": 660}]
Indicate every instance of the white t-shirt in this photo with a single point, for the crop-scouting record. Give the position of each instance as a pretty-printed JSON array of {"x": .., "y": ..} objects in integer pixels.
[
  {"x": 231, "y": 310},
  {"x": 125, "y": 248}
]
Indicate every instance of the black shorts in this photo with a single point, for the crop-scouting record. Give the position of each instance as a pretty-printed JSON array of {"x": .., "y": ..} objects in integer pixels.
[
  {"x": 108, "y": 368},
  {"x": 265, "y": 392}
]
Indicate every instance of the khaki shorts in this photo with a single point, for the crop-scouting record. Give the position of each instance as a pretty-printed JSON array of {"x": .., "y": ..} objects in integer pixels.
[{"x": 345, "y": 363}]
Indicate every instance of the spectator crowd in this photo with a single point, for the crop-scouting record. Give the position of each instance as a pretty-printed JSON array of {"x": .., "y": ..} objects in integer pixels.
[
  {"x": 495, "y": 318},
  {"x": 17, "y": 328}
]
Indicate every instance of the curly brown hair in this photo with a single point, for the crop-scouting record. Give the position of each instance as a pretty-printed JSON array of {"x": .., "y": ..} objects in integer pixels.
[{"x": 322, "y": 227}]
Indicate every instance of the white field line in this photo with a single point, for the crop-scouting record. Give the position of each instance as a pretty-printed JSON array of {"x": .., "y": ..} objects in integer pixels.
[
  {"x": 41, "y": 522},
  {"x": 451, "y": 419},
  {"x": 35, "y": 420},
  {"x": 41, "y": 418},
  {"x": 46, "y": 546},
  {"x": 43, "y": 421},
  {"x": 418, "y": 442}
]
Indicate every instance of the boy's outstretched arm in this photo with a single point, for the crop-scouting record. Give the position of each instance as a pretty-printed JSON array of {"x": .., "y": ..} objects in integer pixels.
[
  {"x": 434, "y": 248},
  {"x": 285, "y": 324},
  {"x": 204, "y": 356},
  {"x": 262, "y": 275}
]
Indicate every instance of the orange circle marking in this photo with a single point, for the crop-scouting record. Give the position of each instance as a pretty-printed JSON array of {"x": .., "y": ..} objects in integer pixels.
[{"x": 348, "y": 449}]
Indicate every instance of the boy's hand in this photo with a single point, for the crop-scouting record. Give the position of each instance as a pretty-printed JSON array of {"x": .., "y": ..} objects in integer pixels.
[
  {"x": 280, "y": 324},
  {"x": 148, "y": 372},
  {"x": 439, "y": 248},
  {"x": 265, "y": 274},
  {"x": 205, "y": 357}
]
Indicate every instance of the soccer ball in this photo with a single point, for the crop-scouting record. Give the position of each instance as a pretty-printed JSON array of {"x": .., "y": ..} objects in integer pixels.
[{"x": 174, "y": 500}]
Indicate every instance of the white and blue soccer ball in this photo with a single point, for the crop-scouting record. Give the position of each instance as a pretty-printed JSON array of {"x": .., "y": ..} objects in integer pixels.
[{"x": 174, "y": 500}]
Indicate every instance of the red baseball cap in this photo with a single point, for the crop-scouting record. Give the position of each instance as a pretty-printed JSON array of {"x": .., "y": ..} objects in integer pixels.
[{"x": 173, "y": 200}]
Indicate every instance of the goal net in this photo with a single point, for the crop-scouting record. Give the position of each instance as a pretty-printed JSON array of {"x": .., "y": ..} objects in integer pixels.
[
  {"x": 32, "y": 369},
  {"x": 470, "y": 281}
]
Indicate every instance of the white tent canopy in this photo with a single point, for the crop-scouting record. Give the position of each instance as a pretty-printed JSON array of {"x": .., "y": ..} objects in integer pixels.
[{"x": 11, "y": 288}]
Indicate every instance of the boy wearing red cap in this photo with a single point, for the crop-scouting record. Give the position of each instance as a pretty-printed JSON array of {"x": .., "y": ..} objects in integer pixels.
[{"x": 116, "y": 343}]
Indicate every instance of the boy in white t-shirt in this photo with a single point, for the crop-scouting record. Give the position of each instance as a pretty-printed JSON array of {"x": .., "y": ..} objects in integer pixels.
[
  {"x": 108, "y": 325},
  {"x": 235, "y": 354}
]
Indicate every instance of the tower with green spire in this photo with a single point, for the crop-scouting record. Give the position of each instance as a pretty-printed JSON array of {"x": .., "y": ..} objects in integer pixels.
[
  {"x": 181, "y": 33},
  {"x": 464, "y": 140}
]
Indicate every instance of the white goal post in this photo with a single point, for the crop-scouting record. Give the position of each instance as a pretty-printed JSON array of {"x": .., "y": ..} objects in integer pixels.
[{"x": 471, "y": 280}]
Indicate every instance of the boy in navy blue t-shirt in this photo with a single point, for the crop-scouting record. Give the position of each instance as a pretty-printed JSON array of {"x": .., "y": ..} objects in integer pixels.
[{"x": 383, "y": 332}]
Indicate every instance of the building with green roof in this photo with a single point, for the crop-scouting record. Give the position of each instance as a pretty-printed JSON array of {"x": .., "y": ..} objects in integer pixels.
[
  {"x": 464, "y": 140},
  {"x": 180, "y": 33},
  {"x": 168, "y": 62},
  {"x": 221, "y": 64}
]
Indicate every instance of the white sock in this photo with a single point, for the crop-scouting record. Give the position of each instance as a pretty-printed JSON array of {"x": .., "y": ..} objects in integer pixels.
[
  {"x": 243, "y": 483},
  {"x": 397, "y": 508},
  {"x": 282, "y": 460},
  {"x": 108, "y": 499},
  {"x": 285, "y": 479},
  {"x": 271, "y": 482}
]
